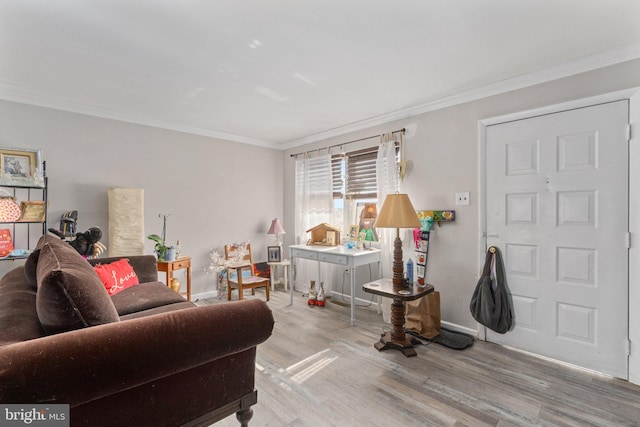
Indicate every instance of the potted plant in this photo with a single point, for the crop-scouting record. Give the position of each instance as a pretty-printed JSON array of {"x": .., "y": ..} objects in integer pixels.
[
  {"x": 160, "y": 248},
  {"x": 164, "y": 252}
]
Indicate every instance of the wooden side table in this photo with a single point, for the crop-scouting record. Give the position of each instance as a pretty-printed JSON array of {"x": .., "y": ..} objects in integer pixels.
[
  {"x": 396, "y": 338},
  {"x": 285, "y": 264},
  {"x": 170, "y": 266}
]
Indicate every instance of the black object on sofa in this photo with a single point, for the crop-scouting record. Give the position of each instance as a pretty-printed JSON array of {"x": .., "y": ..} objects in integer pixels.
[{"x": 143, "y": 357}]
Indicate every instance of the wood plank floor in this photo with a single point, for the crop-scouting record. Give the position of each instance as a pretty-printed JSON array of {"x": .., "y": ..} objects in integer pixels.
[{"x": 316, "y": 370}]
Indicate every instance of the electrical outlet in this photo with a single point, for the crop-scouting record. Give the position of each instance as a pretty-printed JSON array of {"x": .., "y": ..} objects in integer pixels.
[{"x": 462, "y": 199}]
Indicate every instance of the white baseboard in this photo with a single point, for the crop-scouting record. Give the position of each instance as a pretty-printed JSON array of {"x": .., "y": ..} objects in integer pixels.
[{"x": 337, "y": 295}]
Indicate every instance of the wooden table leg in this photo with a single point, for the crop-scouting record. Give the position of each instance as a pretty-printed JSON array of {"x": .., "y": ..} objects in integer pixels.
[
  {"x": 189, "y": 282},
  {"x": 396, "y": 339}
]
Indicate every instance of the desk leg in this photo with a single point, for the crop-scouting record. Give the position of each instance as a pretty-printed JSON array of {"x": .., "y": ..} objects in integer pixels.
[
  {"x": 286, "y": 276},
  {"x": 379, "y": 310},
  {"x": 293, "y": 266},
  {"x": 352, "y": 279}
]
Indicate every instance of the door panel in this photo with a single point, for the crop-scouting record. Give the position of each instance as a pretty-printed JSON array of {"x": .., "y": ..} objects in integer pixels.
[{"x": 557, "y": 200}]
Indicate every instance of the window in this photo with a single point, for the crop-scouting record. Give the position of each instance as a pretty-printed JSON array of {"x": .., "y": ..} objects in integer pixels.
[
  {"x": 354, "y": 174},
  {"x": 341, "y": 189},
  {"x": 354, "y": 185},
  {"x": 313, "y": 192}
]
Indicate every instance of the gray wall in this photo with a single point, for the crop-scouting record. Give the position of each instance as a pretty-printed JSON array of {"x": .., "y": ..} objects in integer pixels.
[
  {"x": 443, "y": 157},
  {"x": 216, "y": 191}
]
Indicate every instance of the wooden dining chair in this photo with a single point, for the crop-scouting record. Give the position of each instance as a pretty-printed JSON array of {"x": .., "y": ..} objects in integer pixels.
[{"x": 242, "y": 275}]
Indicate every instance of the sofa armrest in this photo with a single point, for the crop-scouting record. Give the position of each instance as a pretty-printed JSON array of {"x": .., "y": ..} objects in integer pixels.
[
  {"x": 145, "y": 266},
  {"x": 87, "y": 364}
]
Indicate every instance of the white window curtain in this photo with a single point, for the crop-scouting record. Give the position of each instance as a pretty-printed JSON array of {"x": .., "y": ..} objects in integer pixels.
[
  {"x": 313, "y": 205},
  {"x": 388, "y": 181}
]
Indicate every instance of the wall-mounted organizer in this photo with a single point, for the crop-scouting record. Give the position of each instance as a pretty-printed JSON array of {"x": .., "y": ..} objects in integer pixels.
[
  {"x": 422, "y": 254},
  {"x": 421, "y": 238},
  {"x": 436, "y": 216}
]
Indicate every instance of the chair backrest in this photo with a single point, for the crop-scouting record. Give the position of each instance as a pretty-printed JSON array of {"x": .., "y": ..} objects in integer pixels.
[{"x": 234, "y": 251}]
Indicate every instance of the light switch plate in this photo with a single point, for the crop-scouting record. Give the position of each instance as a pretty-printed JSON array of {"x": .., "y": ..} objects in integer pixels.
[{"x": 462, "y": 199}]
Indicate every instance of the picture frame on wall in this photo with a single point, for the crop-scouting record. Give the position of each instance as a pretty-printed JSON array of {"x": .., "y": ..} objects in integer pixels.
[
  {"x": 21, "y": 167},
  {"x": 274, "y": 253}
]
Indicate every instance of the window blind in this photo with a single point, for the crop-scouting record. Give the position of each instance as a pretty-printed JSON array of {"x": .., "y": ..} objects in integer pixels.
[
  {"x": 361, "y": 174},
  {"x": 337, "y": 175},
  {"x": 354, "y": 174}
]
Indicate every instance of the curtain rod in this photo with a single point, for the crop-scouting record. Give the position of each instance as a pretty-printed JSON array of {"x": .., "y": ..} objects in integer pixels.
[{"x": 403, "y": 130}]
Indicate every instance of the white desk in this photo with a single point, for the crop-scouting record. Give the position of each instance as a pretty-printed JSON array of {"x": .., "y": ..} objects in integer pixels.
[{"x": 351, "y": 258}]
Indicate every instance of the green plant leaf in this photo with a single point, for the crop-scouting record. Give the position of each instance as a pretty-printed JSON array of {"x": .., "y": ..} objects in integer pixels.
[{"x": 156, "y": 239}]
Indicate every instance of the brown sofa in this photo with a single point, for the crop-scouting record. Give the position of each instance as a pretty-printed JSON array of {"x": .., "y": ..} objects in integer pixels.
[{"x": 142, "y": 357}]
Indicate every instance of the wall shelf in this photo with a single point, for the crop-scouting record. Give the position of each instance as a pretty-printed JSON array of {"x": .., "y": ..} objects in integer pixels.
[
  {"x": 437, "y": 216},
  {"x": 25, "y": 234}
]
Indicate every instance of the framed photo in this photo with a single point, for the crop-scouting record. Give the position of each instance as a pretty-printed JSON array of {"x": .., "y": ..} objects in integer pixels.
[
  {"x": 274, "y": 253},
  {"x": 20, "y": 167},
  {"x": 32, "y": 211},
  {"x": 353, "y": 231}
]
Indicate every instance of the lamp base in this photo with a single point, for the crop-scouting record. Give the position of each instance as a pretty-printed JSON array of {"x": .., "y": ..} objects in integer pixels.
[
  {"x": 397, "y": 266},
  {"x": 396, "y": 338},
  {"x": 405, "y": 346}
]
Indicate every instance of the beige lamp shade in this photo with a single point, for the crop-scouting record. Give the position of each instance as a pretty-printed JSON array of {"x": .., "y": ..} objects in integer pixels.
[
  {"x": 397, "y": 212},
  {"x": 276, "y": 227}
]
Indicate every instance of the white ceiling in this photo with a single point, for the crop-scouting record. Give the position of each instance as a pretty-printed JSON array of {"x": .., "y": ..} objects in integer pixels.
[{"x": 281, "y": 73}]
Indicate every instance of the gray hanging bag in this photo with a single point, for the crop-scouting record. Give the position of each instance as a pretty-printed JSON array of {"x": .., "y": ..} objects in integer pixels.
[{"x": 492, "y": 307}]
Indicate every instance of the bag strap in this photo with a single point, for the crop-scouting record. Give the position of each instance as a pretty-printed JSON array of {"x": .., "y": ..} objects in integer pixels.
[
  {"x": 486, "y": 271},
  {"x": 499, "y": 270}
]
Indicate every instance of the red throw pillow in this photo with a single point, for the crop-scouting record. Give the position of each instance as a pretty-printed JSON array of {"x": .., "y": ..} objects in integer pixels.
[{"x": 117, "y": 276}]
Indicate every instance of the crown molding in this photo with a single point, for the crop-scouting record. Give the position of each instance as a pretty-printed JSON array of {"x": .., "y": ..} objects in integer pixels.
[
  {"x": 565, "y": 69},
  {"x": 9, "y": 93}
]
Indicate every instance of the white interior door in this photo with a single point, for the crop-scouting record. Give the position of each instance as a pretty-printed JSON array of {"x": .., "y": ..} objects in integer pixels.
[{"x": 557, "y": 207}]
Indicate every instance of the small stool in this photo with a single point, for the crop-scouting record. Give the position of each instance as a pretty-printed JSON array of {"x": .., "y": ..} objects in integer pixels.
[{"x": 285, "y": 264}]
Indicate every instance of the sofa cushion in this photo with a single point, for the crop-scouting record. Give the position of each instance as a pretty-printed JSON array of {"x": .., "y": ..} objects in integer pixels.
[
  {"x": 18, "y": 317},
  {"x": 30, "y": 266},
  {"x": 145, "y": 266},
  {"x": 116, "y": 276},
  {"x": 145, "y": 296},
  {"x": 70, "y": 294}
]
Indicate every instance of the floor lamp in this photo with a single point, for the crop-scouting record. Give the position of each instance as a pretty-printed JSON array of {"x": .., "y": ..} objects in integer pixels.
[{"x": 397, "y": 212}]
